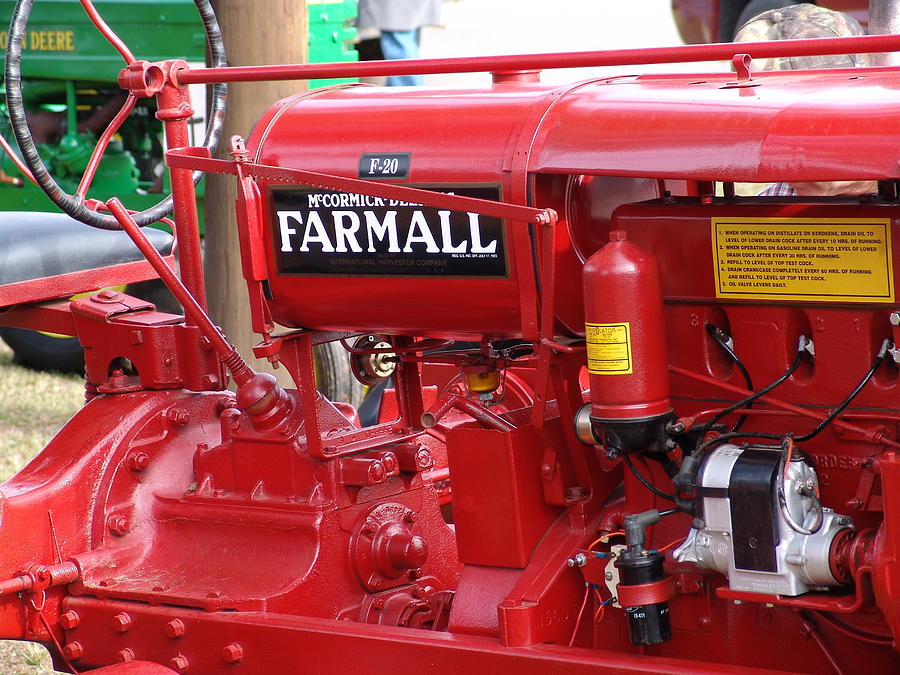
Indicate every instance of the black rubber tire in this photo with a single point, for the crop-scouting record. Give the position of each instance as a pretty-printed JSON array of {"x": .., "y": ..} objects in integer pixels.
[
  {"x": 44, "y": 352},
  {"x": 333, "y": 376},
  {"x": 755, "y": 7}
]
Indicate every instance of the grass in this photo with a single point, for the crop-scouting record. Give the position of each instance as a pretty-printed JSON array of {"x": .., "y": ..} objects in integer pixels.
[{"x": 33, "y": 407}]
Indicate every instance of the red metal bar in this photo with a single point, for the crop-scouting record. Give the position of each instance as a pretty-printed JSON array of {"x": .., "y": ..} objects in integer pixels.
[
  {"x": 20, "y": 165},
  {"x": 54, "y": 317},
  {"x": 106, "y": 31},
  {"x": 240, "y": 371},
  {"x": 464, "y": 405},
  {"x": 187, "y": 158},
  {"x": 102, "y": 142},
  {"x": 174, "y": 111},
  {"x": 613, "y": 57},
  {"x": 72, "y": 283}
]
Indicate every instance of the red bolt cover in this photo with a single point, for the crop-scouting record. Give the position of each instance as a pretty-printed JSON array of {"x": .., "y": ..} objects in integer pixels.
[
  {"x": 121, "y": 622},
  {"x": 69, "y": 620},
  {"x": 73, "y": 651},
  {"x": 177, "y": 417},
  {"x": 232, "y": 653},
  {"x": 125, "y": 655},
  {"x": 175, "y": 628},
  {"x": 179, "y": 664},
  {"x": 118, "y": 525},
  {"x": 138, "y": 460}
]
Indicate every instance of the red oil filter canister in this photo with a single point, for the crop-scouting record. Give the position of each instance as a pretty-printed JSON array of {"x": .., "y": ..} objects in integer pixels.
[{"x": 626, "y": 346}]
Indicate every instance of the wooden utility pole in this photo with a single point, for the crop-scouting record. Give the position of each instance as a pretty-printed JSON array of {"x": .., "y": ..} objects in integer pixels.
[{"x": 256, "y": 33}]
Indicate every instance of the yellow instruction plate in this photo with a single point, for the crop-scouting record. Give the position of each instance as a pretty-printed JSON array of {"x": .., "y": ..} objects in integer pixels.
[
  {"x": 609, "y": 348},
  {"x": 824, "y": 259}
]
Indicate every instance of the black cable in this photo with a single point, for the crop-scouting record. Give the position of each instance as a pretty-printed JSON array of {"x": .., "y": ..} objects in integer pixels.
[
  {"x": 801, "y": 349},
  {"x": 647, "y": 484},
  {"x": 853, "y": 394},
  {"x": 700, "y": 449},
  {"x": 721, "y": 339}
]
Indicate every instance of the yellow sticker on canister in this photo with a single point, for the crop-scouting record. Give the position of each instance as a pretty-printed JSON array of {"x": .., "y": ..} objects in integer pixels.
[
  {"x": 608, "y": 348},
  {"x": 813, "y": 259}
]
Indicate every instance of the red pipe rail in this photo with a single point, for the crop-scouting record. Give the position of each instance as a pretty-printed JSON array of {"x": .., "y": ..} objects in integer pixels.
[{"x": 615, "y": 57}]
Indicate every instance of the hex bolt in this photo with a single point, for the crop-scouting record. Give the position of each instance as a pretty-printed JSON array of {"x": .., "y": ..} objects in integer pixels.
[
  {"x": 73, "y": 651},
  {"x": 69, "y": 620},
  {"x": 118, "y": 525},
  {"x": 137, "y": 460},
  {"x": 125, "y": 655},
  {"x": 233, "y": 653},
  {"x": 175, "y": 629},
  {"x": 177, "y": 417},
  {"x": 179, "y": 664},
  {"x": 121, "y": 622}
]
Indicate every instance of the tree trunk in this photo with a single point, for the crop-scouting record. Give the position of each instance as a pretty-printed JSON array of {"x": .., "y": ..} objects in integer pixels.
[{"x": 256, "y": 33}]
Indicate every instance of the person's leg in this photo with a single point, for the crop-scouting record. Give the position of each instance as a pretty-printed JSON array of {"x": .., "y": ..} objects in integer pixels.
[{"x": 401, "y": 45}]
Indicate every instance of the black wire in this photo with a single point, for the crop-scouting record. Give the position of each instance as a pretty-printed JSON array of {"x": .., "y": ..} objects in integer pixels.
[
  {"x": 757, "y": 394},
  {"x": 700, "y": 449},
  {"x": 717, "y": 334},
  {"x": 647, "y": 484},
  {"x": 853, "y": 394}
]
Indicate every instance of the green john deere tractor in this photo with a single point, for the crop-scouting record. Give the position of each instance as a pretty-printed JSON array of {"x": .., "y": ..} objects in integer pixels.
[{"x": 71, "y": 94}]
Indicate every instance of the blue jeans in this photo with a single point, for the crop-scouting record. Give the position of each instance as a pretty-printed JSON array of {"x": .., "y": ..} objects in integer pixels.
[{"x": 401, "y": 45}]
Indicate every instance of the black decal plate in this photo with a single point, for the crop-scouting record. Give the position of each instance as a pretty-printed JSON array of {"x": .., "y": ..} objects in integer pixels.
[
  {"x": 384, "y": 165},
  {"x": 318, "y": 232}
]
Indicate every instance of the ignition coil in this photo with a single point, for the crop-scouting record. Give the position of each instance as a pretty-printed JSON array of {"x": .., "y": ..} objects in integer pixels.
[{"x": 643, "y": 590}]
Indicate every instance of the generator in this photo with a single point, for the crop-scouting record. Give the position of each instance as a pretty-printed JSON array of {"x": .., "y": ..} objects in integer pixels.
[{"x": 627, "y": 420}]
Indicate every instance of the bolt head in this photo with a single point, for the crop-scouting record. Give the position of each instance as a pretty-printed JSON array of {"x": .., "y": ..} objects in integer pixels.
[
  {"x": 73, "y": 651},
  {"x": 118, "y": 525},
  {"x": 179, "y": 664},
  {"x": 121, "y": 622},
  {"x": 124, "y": 655},
  {"x": 177, "y": 417},
  {"x": 424, "y": 460},
  {"x": 232, "y": 653},
  {"x": 138, "y": 460},
  {"x": 175, "y": 629},
  {"x": 895, "y": 318},
  {"x": 377, "y": 472},
  {"x": 69, "y": 620}
]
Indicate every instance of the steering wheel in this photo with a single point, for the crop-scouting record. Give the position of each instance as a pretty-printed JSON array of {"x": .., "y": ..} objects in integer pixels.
[{"x": 74, "y": 205}]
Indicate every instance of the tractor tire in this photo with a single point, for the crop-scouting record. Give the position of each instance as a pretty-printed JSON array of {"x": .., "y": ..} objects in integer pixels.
[{"x": 40, "y": 351}]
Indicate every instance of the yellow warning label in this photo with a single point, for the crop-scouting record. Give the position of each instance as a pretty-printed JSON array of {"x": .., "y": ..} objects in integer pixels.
[
  {"x": 845, "y": 259},
  {"x": 608, "y": 348}
]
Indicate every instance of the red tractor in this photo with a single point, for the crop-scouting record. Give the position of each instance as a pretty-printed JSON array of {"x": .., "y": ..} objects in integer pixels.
[{"x": 630, "y": 421}]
